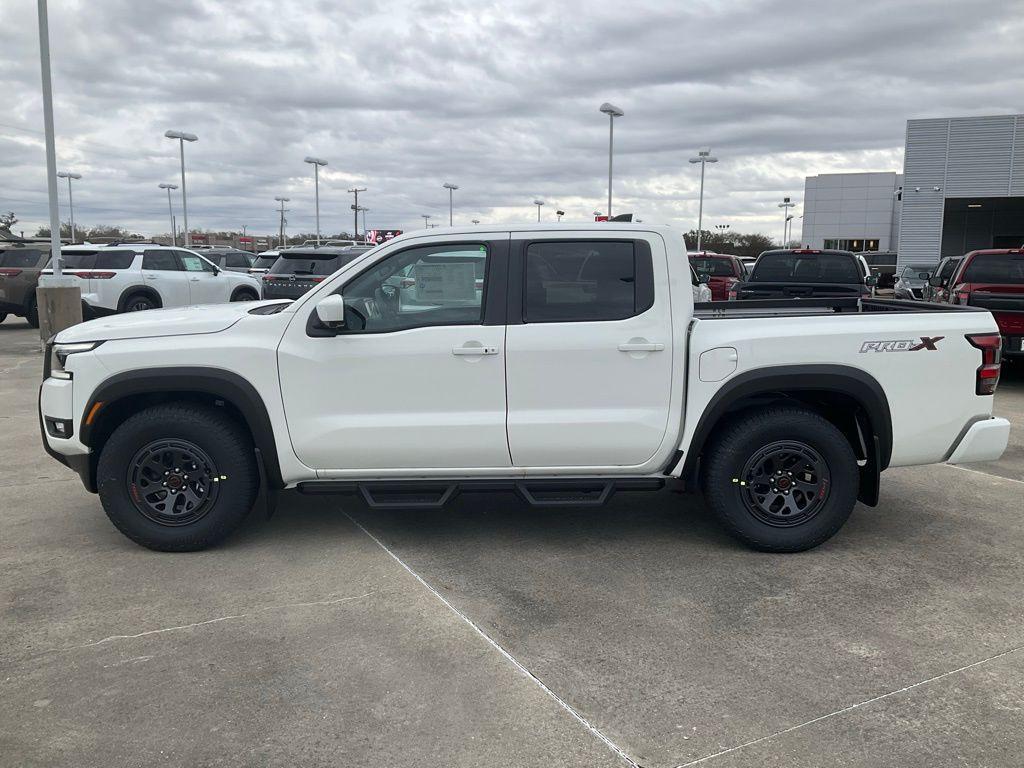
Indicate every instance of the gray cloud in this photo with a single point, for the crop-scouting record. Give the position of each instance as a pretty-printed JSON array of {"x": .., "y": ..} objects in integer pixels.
[{"x": 499, "y": 97}]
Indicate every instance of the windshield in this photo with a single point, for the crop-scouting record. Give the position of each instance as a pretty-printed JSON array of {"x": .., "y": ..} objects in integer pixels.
[
  {"x": 910, "y": 273},
  {"x": 21, "y": 258},
  {"x": 805, "y": 268},
  {"x": 311, "y": 263},
  {"x": 264, "y": 262},
  {"x": 716, "y": 267},
  {"x": 995, "y": 268}
]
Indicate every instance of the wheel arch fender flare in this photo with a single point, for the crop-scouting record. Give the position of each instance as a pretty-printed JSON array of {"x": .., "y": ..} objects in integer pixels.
[
  {"x": 217, "y": 383},
  {"x": 794, "y": 380},
  {"x": 133, "y": 290}
]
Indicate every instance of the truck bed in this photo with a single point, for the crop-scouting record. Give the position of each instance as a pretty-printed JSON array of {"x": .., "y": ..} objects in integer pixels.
[{"x": 821, "y": 306}]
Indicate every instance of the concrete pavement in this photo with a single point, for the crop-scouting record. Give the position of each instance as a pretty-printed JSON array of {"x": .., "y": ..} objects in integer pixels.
[{"x": 536, "y": 637}]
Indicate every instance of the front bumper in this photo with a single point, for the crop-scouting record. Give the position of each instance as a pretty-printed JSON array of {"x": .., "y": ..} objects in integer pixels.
[
  {"x": 984, "y": 441},
  {"x": 81, "y": 463}
]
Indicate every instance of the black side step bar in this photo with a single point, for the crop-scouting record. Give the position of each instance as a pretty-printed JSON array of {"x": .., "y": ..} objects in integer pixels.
[{"x": 434, "y": 494}]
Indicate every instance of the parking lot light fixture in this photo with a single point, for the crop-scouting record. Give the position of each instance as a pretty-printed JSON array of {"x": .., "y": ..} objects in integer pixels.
[
  {"x": 559, "y": 214},
  {"x": 538, "y": 203},
  {"x": 785, "y": 205},
  {"x": 355, "y": 211},
  {"x": 426, "y": 220},
  {"x": 476, "y": 221},
  {"x": 451, "y": 199},
  {"x": 612, "y": 111},
  {"x": 170, "y": 210},
  {"x": 316, "y": 162},
  {"x": 182, "y": 137},
  {"x": 71, "y": 203},
  {"x": 282, "y": 211},
  {"x": 703, "y": 157}
]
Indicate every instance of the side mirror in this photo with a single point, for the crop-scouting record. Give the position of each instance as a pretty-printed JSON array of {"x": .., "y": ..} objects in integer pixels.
[
  {"x": 935, "y": 281},
  {"x": 924, "y": 275},
  {"x": 871, "y": 280},
  {"x": 703, "y": 278},
  {"x": 330, "y": 310}
]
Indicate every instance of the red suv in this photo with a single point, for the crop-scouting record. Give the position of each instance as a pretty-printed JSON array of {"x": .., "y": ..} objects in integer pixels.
[
  {"x": 723, "y": 270},
  {"x": 994, "y": 279}
]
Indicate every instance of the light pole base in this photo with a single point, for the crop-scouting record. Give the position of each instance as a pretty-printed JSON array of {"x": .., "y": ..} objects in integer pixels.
[{"x": 59, "y": 301}]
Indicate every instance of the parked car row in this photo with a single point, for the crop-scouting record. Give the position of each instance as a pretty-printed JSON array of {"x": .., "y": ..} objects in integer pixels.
[{"x": 125, "y": 277}]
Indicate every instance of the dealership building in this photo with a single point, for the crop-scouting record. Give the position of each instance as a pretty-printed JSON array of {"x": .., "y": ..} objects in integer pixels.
[{"x": 962, "y": 188}]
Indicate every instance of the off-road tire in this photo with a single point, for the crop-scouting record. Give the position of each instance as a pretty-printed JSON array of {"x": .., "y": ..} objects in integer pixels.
[
  {"x": 741, "y": 440},
  {"x": 222, "y": 439}
]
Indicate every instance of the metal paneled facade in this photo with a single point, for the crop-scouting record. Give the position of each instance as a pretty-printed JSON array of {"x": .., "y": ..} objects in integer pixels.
[{"x": 967, "y": 157}]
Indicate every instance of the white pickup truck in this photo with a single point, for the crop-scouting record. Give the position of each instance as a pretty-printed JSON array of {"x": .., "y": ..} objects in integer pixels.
[{"x": 562, "y": 363}]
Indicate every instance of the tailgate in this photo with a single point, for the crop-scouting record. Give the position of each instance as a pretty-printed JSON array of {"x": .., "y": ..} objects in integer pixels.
[{"x": 998, "y": 301}]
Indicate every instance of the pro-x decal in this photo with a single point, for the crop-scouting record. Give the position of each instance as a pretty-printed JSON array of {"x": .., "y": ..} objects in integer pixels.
[{"x": 902, "y": 345}]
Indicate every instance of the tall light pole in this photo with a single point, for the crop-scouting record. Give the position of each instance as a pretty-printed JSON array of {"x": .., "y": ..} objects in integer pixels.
[
  {"x": 703, "y": 157},
  {"x": 71, "y": 203},
  {"x": 280, "y": 231},
  {"x": 170, "y": 210},
  {"x": 789, "y": 233},
  {"x": 451, "y": 199},
  {"x": 785, "y": 205},
  {"x": 316, "y": 162},
  {"x": 59, "y": 298},
  {"x": 355, "y": 211},
  {"x": 612, "y": 111},
  {"x": 559, "y": 214},
  {"x": 364, "y": 209},
  {"x": 538, "y": 203},
  {"x": 426, "y": 220},
  {"x": 182, "y": 137}
]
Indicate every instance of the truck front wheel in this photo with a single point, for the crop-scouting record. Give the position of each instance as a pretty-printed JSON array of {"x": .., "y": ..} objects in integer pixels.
[
  {"x": 781, "y": 480},
  {"x": 178, "y": 477}
]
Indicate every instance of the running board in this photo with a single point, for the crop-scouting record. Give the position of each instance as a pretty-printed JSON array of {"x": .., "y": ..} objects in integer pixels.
[{"x": 434, "y": 494}]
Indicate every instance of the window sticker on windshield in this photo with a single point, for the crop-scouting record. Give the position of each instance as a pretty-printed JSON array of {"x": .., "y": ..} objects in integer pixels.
[{"x": 445, "y": 282}]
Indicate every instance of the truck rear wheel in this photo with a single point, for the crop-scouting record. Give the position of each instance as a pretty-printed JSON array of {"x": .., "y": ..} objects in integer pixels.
[
  {"x": 178, "y": 477},
  {"x": 781, "y": 480}
]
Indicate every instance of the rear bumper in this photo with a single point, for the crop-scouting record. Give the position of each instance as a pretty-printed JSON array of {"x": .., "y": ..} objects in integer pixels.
[{"x": 984, "y": 441}]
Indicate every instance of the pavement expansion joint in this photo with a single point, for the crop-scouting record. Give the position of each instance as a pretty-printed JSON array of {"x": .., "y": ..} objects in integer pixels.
[
  {"x": 193, "y": 625},
  {"x": 984, "y": 474},
  {"x": 593, "y": 729},
  {"x": 852, "y": 707}
]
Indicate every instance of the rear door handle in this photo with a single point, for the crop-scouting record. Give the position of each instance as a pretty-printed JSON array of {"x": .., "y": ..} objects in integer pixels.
[
  {"x": 194, "y": 280},
  {"x": 465, "y": 351},
  {"x": 152, "y": 277},
  {"x": 641, "y": 346}
]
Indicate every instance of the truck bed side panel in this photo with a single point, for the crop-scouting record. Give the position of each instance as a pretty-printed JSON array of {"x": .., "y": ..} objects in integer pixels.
[{"x": 928, "y": 374}]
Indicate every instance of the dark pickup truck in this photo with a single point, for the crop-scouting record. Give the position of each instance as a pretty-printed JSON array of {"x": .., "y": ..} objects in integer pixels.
[
  {"x": 993, "y": 279},
  {"x": 806, "y": 273}
]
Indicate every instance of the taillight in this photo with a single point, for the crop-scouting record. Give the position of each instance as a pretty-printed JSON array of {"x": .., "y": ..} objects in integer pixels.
[
  {"x": 268, "y": 278},
  {"x": 92, "y": 275},
  {"x": 991, "y": 346},
  {"x": 733, "y": 294},
  {"x": 9, "y": 272},
  {"x": 318, "y": 279}
]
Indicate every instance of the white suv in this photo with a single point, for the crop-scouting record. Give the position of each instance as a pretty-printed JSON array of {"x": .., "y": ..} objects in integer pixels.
[{"x": 128, "y": 277}]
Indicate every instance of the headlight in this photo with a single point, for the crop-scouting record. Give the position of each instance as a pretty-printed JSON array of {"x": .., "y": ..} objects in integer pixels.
[{"x": 59, "y": 354}]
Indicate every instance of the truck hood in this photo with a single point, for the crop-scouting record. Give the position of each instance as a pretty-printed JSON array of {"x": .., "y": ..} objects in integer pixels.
[{"x": 208, "y": 318}]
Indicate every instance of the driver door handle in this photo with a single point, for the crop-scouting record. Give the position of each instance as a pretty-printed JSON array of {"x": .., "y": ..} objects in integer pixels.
[
  {"x": 641, "y": 346},
  {"x": 464, "y": 351}
]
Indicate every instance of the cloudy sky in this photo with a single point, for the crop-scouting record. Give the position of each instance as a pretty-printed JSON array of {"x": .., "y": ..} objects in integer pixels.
[{"x": 500, "y": 98}]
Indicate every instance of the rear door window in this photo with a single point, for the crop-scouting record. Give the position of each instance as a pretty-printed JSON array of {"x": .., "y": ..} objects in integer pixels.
[
  {"x": 20, "y": 258},
  {"x": 161, "y": 260},
  {"x": 579, "y": 281},
  {"x": 193, "y": 263}
]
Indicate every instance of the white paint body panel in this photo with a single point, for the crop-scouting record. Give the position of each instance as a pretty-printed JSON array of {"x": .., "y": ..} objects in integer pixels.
[{"x": 985, "y": 441}]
